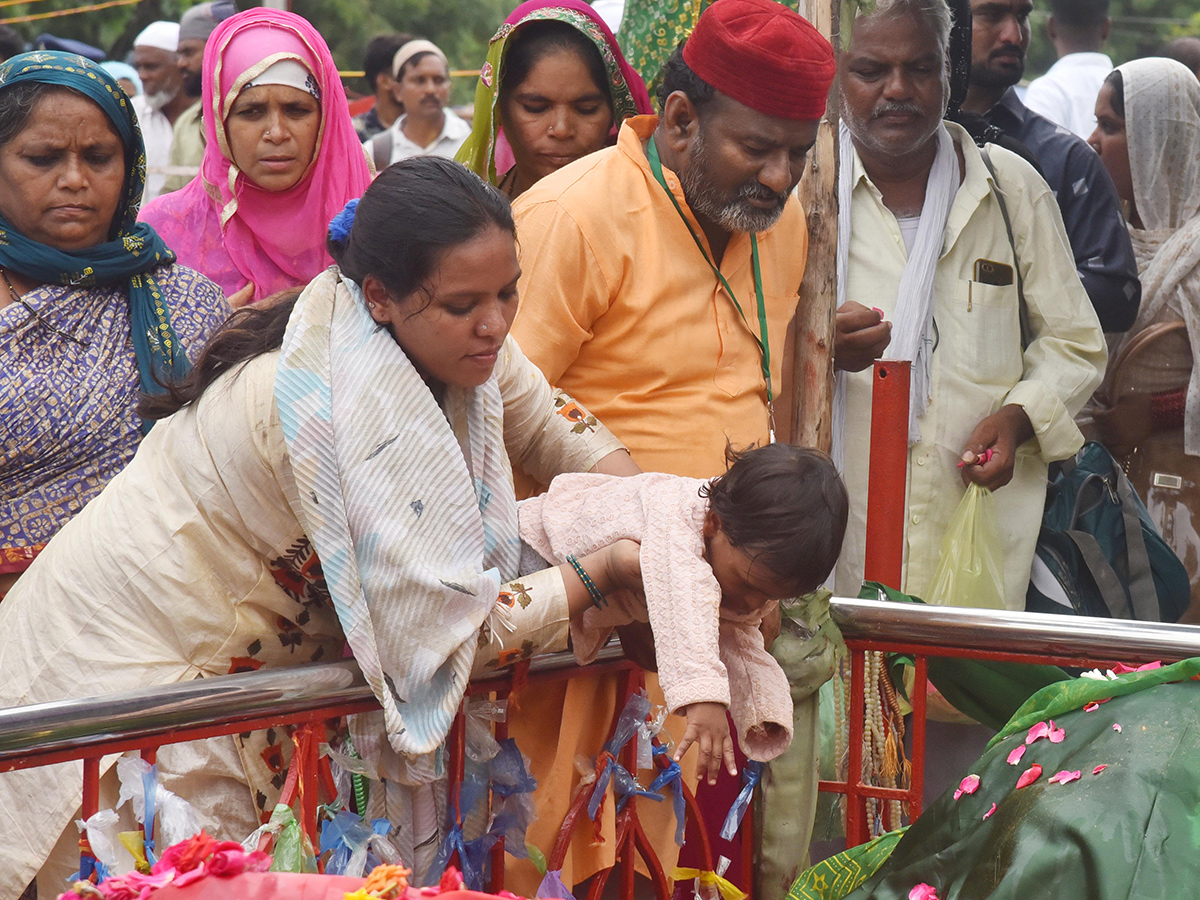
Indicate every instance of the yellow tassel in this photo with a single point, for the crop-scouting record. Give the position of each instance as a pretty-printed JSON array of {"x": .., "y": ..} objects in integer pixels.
[{"x": 890, "y": 768}]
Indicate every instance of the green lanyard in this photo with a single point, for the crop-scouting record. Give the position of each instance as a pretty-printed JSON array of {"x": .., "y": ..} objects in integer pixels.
[{"x": 764, "y": 344}]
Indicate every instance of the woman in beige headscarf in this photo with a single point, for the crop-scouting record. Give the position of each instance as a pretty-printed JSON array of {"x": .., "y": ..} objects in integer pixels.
[{"x": 1155, "y": 164}]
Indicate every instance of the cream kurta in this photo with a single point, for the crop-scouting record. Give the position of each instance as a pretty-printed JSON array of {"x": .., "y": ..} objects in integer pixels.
[
  {"x": 978, "y": 365},
  {"x": 192, "y": 563}
]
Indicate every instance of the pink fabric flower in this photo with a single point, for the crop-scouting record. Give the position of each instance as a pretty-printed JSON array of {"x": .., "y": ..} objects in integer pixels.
[
  {"x": 1065, "y": 776},
  {"x": 923, "y": 891},
  {"x": 968, "y": 785},
  {"x": 988, "y": 814},
  {"x": 1029, "y": 776},
  {"x": 225, "y": 863},
  {"x": 1017, "y": 752},
  {"x": 1099, "y": 769},
  {"x": 1040, "y": 730}
]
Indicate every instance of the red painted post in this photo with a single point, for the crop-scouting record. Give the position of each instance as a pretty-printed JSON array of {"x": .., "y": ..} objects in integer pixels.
[
  {"x": 886, "y": 486},
  {"x": 309, "y": 783},
  {"x": 888, "y": 474},
  {"x": 150, "y": 755},
  {"x": 90, "y": 805}
]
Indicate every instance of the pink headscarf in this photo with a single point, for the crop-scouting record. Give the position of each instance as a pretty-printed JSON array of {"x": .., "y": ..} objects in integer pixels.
[
  {"x": 225, "y": 226},
  {"x": 637, "y": 87}
]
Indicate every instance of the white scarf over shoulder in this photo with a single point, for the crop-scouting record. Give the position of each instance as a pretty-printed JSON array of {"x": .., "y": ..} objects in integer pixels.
[
  {"x": 912, "y": 327},
  {"x": 414, "y": 538}
]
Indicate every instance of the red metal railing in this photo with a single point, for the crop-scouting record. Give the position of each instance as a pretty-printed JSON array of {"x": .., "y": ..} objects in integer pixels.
[
  {"x": 307, "y": 696},
  {"x": 92, "y": 728}
]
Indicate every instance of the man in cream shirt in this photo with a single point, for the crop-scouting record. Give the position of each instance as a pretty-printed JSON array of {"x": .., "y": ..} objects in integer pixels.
[{"x": 930, "y": 249}]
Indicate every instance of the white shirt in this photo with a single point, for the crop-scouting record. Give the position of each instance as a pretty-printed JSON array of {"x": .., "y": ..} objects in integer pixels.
[
  {"x": 977, "y": 365},
  {"x": 1067, "y": 93},
  {"x": 454, "y": 132},
  {"x": 158, "y": 133}
]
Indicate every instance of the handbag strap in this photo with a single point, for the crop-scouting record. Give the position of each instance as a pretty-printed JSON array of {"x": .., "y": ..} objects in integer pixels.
[
  {"x": 1107, "y": 581},
  {"x": 1142, "y": 593},
  {"x": 381, "y": 149},
  {"x": 1142, "y": 598},
  {"x": 994, "y": 188}
]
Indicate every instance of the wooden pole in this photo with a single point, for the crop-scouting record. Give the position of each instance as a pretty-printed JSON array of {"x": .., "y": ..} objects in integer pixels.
[{"x": 811, "y": 377}]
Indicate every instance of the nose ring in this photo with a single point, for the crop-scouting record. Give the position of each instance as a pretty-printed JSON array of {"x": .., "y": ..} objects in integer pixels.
[{"x": 483, "y": 327}]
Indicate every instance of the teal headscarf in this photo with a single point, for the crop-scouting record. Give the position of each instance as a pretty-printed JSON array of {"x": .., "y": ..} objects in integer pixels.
[{"x": 133, "y": 251}]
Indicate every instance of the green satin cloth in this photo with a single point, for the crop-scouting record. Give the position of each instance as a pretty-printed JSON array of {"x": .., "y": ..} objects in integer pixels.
[{"x": 1131, "y": 831}]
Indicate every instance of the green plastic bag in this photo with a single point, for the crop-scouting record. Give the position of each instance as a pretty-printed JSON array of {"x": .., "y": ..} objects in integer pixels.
[
  {"x": 293, "y": 851},
  {"x": 970, "y": 571}
]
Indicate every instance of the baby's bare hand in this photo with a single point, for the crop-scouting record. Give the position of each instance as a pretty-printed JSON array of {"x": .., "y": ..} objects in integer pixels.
[{"x": 708, "y": 729}]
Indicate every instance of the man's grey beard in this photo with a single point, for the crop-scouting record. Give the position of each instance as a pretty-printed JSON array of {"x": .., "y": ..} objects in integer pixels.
[
  {"x": 157, "y": 101},
  {"x": 731, "y": 213}
]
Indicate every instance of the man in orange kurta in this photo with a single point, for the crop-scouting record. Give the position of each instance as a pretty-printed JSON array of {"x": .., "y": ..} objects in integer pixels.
[{"x": 639, "y": 297}]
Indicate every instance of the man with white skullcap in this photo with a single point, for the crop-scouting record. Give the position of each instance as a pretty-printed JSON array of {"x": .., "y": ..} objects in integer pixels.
[
  {"x": 162, "y": 100},
  {"x": 187, "y": 148}
]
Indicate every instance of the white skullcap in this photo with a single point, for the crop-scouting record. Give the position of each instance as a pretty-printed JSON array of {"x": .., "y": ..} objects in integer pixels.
[
  {"x": 163, "y": 35},
  {"x": 411, "y": 49}
]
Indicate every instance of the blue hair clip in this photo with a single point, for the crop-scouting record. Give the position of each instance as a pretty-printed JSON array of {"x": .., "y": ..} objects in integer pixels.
[{"x": 339, "y": 228}]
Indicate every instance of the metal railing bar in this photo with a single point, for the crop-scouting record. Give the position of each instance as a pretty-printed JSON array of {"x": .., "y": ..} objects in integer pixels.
[
  {"x": 65, "y": 726},
  {"x": 946, "y": 631}
]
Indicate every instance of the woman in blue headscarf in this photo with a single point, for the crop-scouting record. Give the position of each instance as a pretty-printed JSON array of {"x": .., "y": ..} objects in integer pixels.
[{"x": 92, "y": 307}]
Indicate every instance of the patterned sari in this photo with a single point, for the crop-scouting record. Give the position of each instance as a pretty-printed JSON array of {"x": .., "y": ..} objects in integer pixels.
[{"x": 106, "y": 321}]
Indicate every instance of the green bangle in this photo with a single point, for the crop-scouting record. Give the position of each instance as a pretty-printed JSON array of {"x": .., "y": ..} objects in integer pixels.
[{"x": 593, "y": 591}]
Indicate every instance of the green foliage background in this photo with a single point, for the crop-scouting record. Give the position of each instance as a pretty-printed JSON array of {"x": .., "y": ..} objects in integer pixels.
[{"x": 462, "y": 27}]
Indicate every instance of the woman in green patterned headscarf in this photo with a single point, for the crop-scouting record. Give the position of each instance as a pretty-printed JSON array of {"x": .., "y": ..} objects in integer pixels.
[
  {"x": 92, "y": 307},
  {"x": 555, "y": 87}
]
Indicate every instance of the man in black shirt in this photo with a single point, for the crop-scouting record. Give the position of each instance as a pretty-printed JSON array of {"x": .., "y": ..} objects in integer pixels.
[{"x": 1086, "y": 197}]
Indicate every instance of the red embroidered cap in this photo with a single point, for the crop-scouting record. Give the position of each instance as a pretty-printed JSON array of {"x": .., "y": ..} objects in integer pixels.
[{"x": 763, "y": 55}]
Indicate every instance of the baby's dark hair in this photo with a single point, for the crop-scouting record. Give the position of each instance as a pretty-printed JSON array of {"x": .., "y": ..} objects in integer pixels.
[{"x": 785, "y": 507}]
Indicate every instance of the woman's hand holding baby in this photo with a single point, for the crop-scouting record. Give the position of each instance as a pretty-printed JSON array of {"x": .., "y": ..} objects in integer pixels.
[
  {"x": 617, "y": 567},
  {"x": 708, "y": 729}
]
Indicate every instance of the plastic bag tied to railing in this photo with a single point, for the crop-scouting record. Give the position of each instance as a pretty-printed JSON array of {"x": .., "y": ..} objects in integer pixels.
[{"x": 506, "y": 778}]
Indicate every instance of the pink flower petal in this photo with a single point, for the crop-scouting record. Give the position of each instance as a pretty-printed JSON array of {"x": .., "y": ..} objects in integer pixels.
[
  {"x": 923, "y": 892},
  {"x": 1099, "y": 769},
  {"x": 968, "y": 785},
  {"x": 990, "y": 811},
  {"x": 1117, "y": 727},
  {"x": 1029, "y": 776},
  {"x": 1065, "y": 776},
  {"x": 1056, "y": 735},
  {"x": 1091, "y": 707},
  {"x": 1157, "y": 664},
  {"x": 1017, "y": 752},
  {"x": 1040, "y": 730}
]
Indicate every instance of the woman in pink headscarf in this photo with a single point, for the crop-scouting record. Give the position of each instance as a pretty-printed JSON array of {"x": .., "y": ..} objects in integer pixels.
[{"x": 281, "y": 159}]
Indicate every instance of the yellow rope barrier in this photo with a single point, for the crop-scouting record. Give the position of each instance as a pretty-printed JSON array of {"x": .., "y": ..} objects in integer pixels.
[
  {"x": 454, "y": 73},
  {"x": 4, "y": 3},
  {"x": 68, "y": 12}
]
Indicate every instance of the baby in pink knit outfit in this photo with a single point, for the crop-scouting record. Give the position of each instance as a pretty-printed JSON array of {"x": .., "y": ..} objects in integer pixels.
[{"x": 716, "y": 557}]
